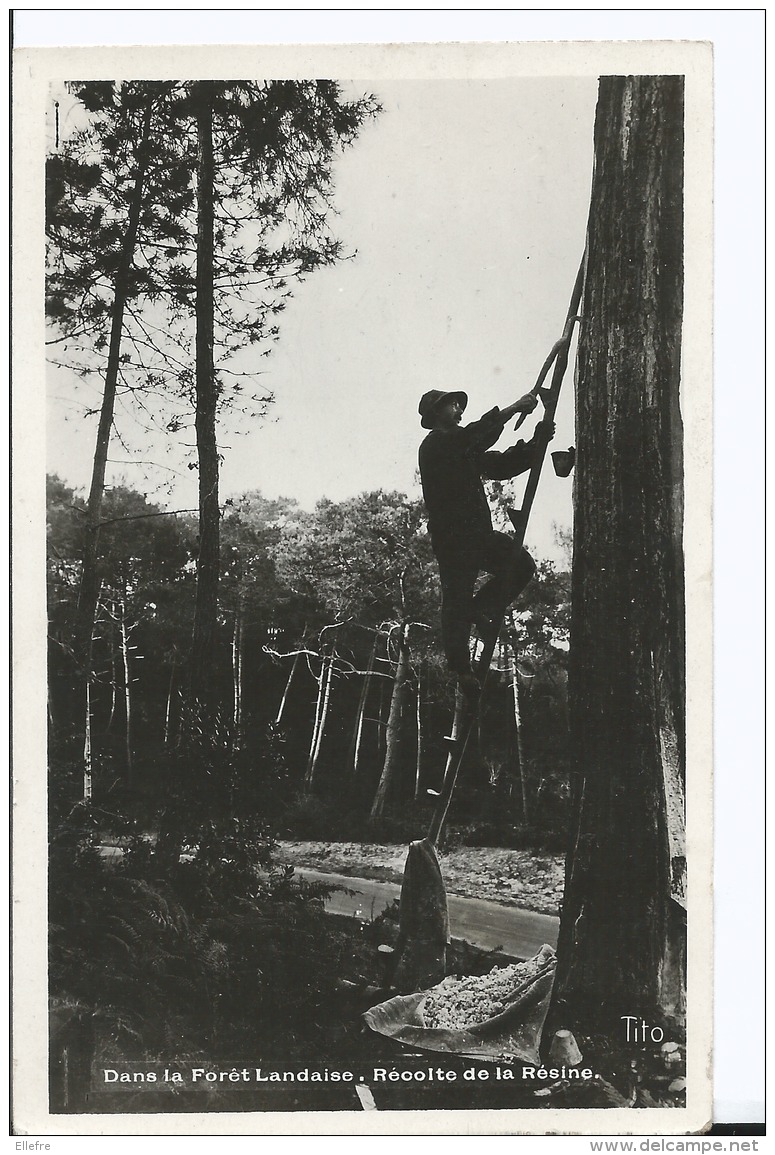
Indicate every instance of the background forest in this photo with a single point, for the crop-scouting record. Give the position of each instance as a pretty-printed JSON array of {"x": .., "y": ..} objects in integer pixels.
[{"x": 326, "y": 667}]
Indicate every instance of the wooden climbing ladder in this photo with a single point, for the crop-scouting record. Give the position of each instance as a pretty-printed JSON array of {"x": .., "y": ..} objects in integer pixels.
[{"x": 466, "y": 706}]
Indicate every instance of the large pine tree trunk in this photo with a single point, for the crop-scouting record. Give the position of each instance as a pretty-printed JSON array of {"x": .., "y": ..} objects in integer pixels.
[
  {"x": 622, "y": 935},
  {"x": 208, "y": 558},
  {"x": 393, "y": 731}
]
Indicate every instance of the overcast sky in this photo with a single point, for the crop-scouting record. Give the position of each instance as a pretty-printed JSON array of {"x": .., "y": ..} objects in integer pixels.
[{"x": 466, "y": 205}]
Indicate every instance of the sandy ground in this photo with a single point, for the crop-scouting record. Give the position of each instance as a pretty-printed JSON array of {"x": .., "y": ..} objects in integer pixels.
[{"x": 513, "y": 877}]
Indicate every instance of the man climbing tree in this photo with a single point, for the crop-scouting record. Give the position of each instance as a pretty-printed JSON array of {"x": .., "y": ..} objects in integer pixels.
[{"x": 453, "y": 461}]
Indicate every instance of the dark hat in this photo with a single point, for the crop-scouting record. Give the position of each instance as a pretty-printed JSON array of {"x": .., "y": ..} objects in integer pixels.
[{"x": 430, "y": 401}]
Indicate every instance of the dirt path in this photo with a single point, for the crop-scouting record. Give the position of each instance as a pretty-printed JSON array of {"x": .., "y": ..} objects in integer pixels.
[{"x": 512, "y": 877}]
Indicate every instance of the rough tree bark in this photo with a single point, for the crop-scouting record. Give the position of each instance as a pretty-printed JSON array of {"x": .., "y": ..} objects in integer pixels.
[
  {"x": 621, "y": 948},
  {"x": 208, "y": 558}
]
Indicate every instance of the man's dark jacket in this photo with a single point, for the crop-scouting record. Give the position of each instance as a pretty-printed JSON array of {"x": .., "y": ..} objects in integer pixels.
[{"x": 452, "y": 465}]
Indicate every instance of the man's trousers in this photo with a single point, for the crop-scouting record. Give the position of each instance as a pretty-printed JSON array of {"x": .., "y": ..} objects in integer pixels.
[{"x": 460, "y": 563}]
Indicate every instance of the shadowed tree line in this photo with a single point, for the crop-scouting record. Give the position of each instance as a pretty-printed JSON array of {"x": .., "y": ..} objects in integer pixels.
[{"x": 325, "y": 647}]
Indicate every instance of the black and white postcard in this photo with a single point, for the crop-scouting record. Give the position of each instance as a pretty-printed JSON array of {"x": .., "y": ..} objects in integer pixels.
[{"x": 363, "y": 755}]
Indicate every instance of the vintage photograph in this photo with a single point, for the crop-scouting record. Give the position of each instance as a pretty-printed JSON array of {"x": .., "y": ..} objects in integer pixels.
[{"x": 375, "y": 564}]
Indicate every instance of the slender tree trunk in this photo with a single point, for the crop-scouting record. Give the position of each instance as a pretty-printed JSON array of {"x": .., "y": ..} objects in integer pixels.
[
  {"x": 240, "y": 668},
  {"x": 418, "y": 715},
  {"x": 89, "y": 585},
  {"x": 286, "y": 691},
  {"x": 324, "y": 697},
  {"x": 237, "y": 639},
  {"x": 382, "y": 724},
  {"x": 355, "y": 745},
  {"x": 113, "y": 691},
  {"x": 208, "y": 557},
  {"x": 316, "y": 721},
  {"x": 124, "y": 634},
  {"x": 621, "y": 947},
  {"x": 323, "y": 715},
  {"x": 235, "y": 688},
  {"x": 87, "y": 750},
  {"x": 459, "y": 725},
  {"x": 393, "y": 732},
  {"x": 514, "y": 678},
  {"x": 520, "y": 743},
  {"x": 113, "y": 670},
  {"x": 500, "y": 768},
  {"x": 168, "y": 712}
]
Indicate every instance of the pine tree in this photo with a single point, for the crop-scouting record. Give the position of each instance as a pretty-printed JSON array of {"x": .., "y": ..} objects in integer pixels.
[
  {"x": 178, "y": 219},
  {"x": 96, "y": 196}
]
